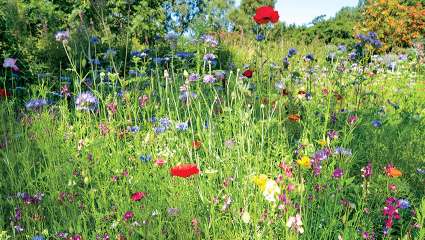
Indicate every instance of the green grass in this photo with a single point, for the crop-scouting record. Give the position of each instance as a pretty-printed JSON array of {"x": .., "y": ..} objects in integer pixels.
[{"x": 61, "y": 152}]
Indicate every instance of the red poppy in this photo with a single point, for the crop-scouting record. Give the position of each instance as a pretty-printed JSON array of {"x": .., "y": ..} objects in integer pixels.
[
  {"x": 184, "y": 170},
  {"x": 248, "y": 73},
  {"x": 4, "y": 93},
  {"x": 266, "y": 14},
  {"x": 196, "y": 144},
  {"x": 138, "y": 196}
]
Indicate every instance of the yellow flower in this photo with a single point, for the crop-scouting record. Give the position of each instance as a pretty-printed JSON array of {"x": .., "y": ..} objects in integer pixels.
[
  {"x": 260, "y": 181},
  {"x": 304, "y": 162},
  {"x": 322, "y": 142}
]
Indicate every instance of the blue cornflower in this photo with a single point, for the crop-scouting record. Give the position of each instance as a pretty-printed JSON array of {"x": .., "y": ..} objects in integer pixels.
[
  {"x": 403, "y": 203},
  {"x": 260, "y": 37},
  {"x": 309, "y": 57},
  {"x": 165, "y": 122},
  {"x": 158, "y": 60},
  {"x": 133, "y": 129},
  {"x": 35, "y": 104},
  {"x": 159, "y": 129},
  {"x": 376, "y": 123},
  {"x": 184, "y": 54},
  {"x": 145, "y": 158},
  {"x": 94, "y": 40},
  {"x": 183, "y": 126},
  {"x": 152, "y": 119},
  {"x": 95, "y": 61},
  {"x": 292, "y": 52},
  {"x": 37, "y": 237}
]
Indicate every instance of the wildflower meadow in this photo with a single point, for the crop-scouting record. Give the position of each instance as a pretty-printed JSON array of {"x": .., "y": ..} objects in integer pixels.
[{"x": 209, "y": 134}]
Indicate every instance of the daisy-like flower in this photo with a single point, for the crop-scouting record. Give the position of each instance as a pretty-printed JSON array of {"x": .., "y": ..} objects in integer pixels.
[{"x": 295, "y": 224}]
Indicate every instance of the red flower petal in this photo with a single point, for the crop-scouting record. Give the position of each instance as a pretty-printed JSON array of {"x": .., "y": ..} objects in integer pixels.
[
  {"x": 266, "y": 14},
  {"x": 248, "y": 73},
  {"x": 184, "y": 170}
]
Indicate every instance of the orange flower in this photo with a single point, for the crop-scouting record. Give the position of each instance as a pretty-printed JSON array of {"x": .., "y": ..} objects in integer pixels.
[
  {"x": 196, "y": 144},
  {"x": 294, "y": 117},
  {"x": 392, "y": 171}
]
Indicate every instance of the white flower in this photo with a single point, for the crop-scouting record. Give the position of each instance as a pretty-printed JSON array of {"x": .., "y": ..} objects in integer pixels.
[
  {"x": 271, "y": 190},
  {"x": 246, "y": 218}
]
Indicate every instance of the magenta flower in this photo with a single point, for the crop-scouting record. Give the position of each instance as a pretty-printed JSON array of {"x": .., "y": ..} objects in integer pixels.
[
  {"x": 338, "y": 172},
  {"x": 352, "y": 119},
  {"x": 128, "y": 215},
  {"x": 367, "y": 170}
]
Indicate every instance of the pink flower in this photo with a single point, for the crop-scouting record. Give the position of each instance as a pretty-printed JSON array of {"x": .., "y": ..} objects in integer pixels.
[
  {"x": 352, "y": 119},
  {"x": 159, "y": 162},
  {"x": 137, "y": 196}
]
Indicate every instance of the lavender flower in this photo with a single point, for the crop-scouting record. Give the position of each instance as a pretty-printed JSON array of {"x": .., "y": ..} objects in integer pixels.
[
  {"x": 86, "y": 101},
  {"x": 209, "y": 79},
  {"x": 36, "y": 104}
]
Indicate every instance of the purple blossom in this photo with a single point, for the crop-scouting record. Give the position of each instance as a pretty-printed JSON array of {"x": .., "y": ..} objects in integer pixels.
[
  {"x": 338, "y": 172},
  {"x": 62, "y": 36},
  {"x": 367, "y": 170},
  {"x": 342, "y": 151},
  {"x": 36, "y": 104},
  {"x": 10, "y": 63},
  {"x": 128, "y": 215},
  {"x": 86, "y": 101},
  {"x": 193, "y": 77},
  {"x": 209, "y": 57},
  {"x": 332, "y": 134},
  {"x": 209, "y": 79}
]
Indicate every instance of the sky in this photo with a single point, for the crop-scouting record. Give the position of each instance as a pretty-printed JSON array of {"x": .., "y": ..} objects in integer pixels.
[{"x": 303, "y": 11}]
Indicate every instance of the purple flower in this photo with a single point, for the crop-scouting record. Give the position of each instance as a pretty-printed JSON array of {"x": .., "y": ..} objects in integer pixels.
[
  {"x": 62, "y": 36},
  {"x": 10, "y": 63},
  {"x": 260, "y": 37},
  {"x": 209, "y": 57},
  {"x": 342, "y": 151},
  {"x": 209, "y": 79},
  {"x": 86, "y": 101},
  {"x": 128, "y": 215},
  {"x": 309, "y": 57},
  {"x": 338, "y": 172},
  {"x": 36, "y": 104},
  {"x": 193, "y": 77},
  {"x": 18, "y": 214},
  {"x": 208, "y": 39},
  {"x": 403, "y": 204},
  {"x": 332, "y": 134},
  {"x": 165, "y": 122},
  {"x": 367, "y": 171}
]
